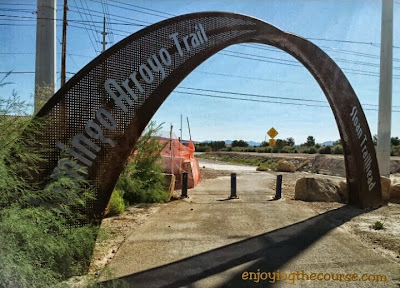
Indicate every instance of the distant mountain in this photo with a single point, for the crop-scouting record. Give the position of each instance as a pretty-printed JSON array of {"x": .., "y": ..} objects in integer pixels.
[
  {"x": 252, "y": 143},
  {"x": 327, "y": 143}
]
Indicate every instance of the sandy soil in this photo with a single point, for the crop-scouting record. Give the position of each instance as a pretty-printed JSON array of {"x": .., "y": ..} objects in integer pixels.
[{"x": 386, "y": 240}]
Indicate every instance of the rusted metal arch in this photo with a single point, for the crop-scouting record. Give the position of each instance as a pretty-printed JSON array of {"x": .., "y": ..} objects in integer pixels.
[{"x": 78, "y": 101}]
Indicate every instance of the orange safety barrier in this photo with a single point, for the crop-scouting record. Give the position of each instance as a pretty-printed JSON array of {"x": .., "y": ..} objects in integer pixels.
[{"x": 178, "y": 158}]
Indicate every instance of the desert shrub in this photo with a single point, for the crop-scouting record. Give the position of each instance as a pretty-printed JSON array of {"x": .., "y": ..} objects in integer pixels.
[
  {"x": 116, "y": 205},
  {"x": 325, "y": 150},
  {"x": 239, "y": 143},
  {"x": 40, "y": 249},
  {"x": 249, "y": 149},
  {"x": 267, "y": 165},
  {"x": 203, "y": 148},
  {"x": 142, "y": 180},
  {"x": 39, "y": 244},
  {"x": 263, "y": 150},
  {"x": 312, "y": 150},
  {"x": 237, "y": 148},
  {"x": 378, "y": 225},
  {"x": 395, "y": 151},
  {"x": 337, "y": 149}
]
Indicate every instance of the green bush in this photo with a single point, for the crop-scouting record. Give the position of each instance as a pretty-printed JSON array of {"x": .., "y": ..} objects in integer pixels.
[
  {"x": 116, "y": 205},
  {"x": 395, "y": 151},
  {"x": 203, "y": 148},
  {"x": 378, "y": 225},
  {"x": 40, "y": 245},
  {"x": 337, "y": 149},
  {"x": 325, "y": 150},
  {"x": 142, "y": 180},
  {"x": 250, "y": 149},
  {"x": 39, "y": 248},
  {"x": 263, "y": 150},
  {"x": 312, "y": 150}
]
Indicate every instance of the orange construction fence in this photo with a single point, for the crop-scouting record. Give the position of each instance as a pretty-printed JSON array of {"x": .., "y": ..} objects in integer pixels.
[{"x": 178, "y": 158}]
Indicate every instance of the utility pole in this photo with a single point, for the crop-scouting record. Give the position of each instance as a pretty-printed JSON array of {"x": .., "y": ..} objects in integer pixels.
[
  {"x": 385, "y": 89},
  {"x": 104, "y": 33},
  {"x": 190, "y": 134},
  {"x": 181, "y": 128},
  {"x": 64, "y": 44},
  {"x": 45, "y": 65}
]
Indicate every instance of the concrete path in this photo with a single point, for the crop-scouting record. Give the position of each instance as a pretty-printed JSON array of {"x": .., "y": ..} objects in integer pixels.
[
  {"x": 209, "y": 241},
  {"x": 226, "y": 167}
]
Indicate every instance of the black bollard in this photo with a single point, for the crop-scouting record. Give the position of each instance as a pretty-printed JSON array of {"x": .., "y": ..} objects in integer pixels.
[
  {"x": 233, "y": 186},
  {"x": 184, "y": 184},
  {"x": 278, "y": 190}
]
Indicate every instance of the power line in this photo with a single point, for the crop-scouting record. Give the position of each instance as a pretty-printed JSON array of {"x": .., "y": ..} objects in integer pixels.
[
  {"x": 118, "y": 17},
  {"x": 59, "y": 42},
  {"x": 292, "y": 61},
  {"x": 91, "y": 24},
  {"x": 80, "y": 27},
  {"x": 264, "y": 101},
  {"x": 333, "y": 49},
  {"x": 243, "y": 94},
  {"x": 349, "y": 70},
  {"x": 87, "y": 31},
  {"x": 91, "y": 17},
  {"x": 18, "y": 10},
  {"x": 144, "y": 8},
  {"x": 295, "y": 63},
  {"x": 131, "y": 9},
  {"x": 23, "y": 4},
  {"x": 166, "y": 15},
  {"x": 263, "y": 96},
  {"x": 33, "y": 19},
  {"x": 349, "y": 41},
  {"x": 29, "y": 72},
  {"x": 248, "y": 45}
]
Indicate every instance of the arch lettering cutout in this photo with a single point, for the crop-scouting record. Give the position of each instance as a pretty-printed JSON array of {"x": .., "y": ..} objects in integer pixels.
[{"x": 100, "y": 113}]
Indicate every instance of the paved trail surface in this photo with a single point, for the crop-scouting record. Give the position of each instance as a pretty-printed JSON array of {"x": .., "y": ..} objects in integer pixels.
[{"x": 209, "y": 241}]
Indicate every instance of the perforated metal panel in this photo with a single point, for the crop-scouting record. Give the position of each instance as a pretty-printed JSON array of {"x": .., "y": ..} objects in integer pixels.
[{"x": 76, "y": 103}]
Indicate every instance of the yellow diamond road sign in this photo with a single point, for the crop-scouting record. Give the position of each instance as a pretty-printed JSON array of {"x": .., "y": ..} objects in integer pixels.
[
  {"x": 272, "y": 142},
  {"x": 272, "y": 132}
]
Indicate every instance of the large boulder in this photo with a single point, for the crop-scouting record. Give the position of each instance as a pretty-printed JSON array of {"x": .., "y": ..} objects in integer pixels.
[
  {"x": 285, "y": 166},
  {"x": 320, "y": 190},
  {"x": 395, "y": 193}
]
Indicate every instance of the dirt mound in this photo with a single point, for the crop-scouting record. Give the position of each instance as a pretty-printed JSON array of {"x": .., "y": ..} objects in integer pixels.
[
  {"x": 323, "y": 164},
  {"x": 315, "y": 163}
]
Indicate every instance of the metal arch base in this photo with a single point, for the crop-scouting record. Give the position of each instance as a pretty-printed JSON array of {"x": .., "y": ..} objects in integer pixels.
[{"x": 99, "y": 114}]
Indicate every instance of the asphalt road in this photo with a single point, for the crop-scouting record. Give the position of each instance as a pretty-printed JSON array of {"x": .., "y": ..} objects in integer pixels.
[{"x": 210, "y": 241}]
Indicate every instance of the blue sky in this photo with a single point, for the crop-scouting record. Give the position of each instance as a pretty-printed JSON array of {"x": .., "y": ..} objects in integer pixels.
[{"x": 215, "y": 118}]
